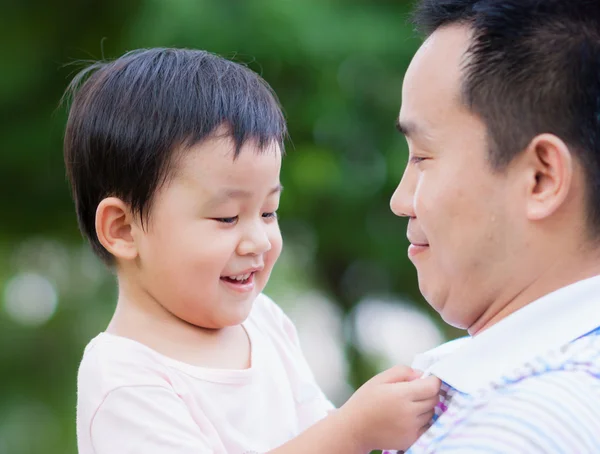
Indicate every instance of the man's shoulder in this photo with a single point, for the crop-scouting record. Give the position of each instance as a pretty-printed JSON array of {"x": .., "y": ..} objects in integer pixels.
[
  {"x": 581, "y": 355},
  {"x": 557, "y": 388},
  {"x": 547, "y": 404},
  {"x": 557, "y": 395},
  {"x": 556, "y": 411},
  {"x": 585, "y": 349}
]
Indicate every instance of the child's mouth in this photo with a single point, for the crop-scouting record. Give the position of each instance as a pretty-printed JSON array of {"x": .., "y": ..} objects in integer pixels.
[{"x": 241, "y": 282}]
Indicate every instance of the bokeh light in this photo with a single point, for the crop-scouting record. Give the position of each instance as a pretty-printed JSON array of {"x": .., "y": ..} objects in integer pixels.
[
  {"x": 394, "y": 331},
  {"x": 320, "y": 330},
  {"x": 30, "y": 299}
]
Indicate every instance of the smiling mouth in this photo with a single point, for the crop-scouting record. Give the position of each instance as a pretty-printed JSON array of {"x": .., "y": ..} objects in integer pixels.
[
  {"x": 240, "y": 279},
  {"x": 415, "y": 249}
]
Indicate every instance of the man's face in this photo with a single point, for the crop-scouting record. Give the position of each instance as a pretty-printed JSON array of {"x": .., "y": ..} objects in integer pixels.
[{"x": 463, "y": 229}]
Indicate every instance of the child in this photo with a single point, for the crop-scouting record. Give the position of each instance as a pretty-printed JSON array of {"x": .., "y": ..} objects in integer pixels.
[{"x": 174, "y": 157}]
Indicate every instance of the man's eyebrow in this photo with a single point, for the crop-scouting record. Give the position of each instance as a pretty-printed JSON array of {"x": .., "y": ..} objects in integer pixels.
[{"x": 407, "y": 128}]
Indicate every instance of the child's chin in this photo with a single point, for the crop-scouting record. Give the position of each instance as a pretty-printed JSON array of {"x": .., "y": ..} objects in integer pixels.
[
  {"x": 236, "y": 317},
  {"x": 241, "y": 318}
]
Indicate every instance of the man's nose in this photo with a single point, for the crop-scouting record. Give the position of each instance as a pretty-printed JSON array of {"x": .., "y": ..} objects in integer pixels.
[{"x": 402, "y": 202}]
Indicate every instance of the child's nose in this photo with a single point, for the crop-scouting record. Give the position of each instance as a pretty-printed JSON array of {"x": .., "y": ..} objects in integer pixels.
[{"x": 256, "y": 242}]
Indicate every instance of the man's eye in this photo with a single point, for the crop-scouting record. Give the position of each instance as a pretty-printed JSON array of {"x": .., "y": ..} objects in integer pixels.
[
  {"x": 227, "y": 220},
  {"x": 416, "y": 159},
  {"x": 272, "y": 214}
]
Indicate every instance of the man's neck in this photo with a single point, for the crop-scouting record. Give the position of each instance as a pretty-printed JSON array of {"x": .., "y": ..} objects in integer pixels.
[{"x": 559, "y": 274}]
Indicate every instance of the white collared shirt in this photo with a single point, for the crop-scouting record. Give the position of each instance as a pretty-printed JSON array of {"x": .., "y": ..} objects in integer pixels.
[{"x": 530, "y": 383}]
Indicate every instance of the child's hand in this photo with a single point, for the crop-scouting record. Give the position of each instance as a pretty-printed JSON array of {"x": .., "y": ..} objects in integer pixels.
[{"x": 392, "y": 409}]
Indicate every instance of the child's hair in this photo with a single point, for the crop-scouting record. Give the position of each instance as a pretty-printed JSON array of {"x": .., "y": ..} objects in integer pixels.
[{"x": 129, "y": 116}]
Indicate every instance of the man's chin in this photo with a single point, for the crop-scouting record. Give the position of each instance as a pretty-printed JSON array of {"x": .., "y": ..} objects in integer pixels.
[
  {"x": 456, "y": 318},
  {"x": 439, "y": 301}
]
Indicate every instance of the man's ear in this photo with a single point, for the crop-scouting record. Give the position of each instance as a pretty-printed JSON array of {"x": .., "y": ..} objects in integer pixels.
[
  {"x": 549, "y": 166},
  {"x": 114, "y": 225}
]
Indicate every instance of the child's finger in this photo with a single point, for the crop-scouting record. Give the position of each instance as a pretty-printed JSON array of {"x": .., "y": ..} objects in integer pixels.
[
  {"x": 425, "y": 388},
  {"x": 426, "y": 405},
  {"x": 426, "y": 417},
  {"x": 397, "y": 374}
]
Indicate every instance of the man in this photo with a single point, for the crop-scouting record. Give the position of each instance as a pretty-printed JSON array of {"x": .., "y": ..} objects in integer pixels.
[{"x": 501, "y": 111}]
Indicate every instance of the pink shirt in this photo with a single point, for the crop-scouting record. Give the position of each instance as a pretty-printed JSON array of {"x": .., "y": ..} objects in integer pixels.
[{"x": 133, "y": 400}]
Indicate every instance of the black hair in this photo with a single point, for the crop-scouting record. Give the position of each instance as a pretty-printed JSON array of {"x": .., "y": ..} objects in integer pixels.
[
  {"x": 128, "y": 117},
  {"x": 533, "y": 66}
]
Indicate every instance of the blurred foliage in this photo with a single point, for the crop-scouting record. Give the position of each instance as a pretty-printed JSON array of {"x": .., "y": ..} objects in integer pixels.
[{"x": 337, "y": 67}]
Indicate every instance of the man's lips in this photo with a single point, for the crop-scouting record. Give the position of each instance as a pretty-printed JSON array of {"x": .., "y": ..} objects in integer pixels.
[
  {"x": 417, "y": 248},
  {"x": 418, "y": 241}
]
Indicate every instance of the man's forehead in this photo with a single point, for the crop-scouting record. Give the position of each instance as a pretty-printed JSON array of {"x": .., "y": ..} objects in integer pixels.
[
  {"x": 432, "y": 83},
  {"x": 440, "y": 57}
]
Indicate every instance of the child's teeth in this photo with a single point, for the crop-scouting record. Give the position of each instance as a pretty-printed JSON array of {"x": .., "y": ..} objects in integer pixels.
[{"x": 242, "y": 277}]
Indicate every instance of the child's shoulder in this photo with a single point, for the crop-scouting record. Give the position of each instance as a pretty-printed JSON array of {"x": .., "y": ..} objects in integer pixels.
[
  {"x": 266, "y": 312},
  {"x": 271, "y": 320},
  {"x": 111, "y": 362}
]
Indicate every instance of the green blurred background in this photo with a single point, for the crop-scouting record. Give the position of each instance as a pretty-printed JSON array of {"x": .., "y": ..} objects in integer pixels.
[{"x": 344, "y": 278}]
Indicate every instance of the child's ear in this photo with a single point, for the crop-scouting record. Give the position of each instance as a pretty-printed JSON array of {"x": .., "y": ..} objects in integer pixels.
[{"x": 114, "y": 225}]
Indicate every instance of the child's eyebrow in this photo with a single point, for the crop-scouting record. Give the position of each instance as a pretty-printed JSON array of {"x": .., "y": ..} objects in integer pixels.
[{"x": 227, "y": 194}]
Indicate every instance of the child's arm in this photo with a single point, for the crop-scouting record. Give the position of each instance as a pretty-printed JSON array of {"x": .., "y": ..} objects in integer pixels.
[{"x": 389, "y": 411}]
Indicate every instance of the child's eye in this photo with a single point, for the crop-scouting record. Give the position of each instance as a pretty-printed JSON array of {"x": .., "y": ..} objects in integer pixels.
[
  {"x": 272, "y": 214},
  {"x": 227, "y": 220}
]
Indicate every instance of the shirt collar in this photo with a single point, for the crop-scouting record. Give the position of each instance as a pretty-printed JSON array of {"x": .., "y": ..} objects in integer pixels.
[{"x": 543, "y": 325}]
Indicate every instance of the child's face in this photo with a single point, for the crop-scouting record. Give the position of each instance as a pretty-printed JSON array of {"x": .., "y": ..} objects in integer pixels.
[{"x": 213, "y": 237}]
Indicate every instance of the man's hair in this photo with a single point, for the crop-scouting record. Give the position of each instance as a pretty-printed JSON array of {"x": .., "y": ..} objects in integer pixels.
[
  {"x": 130, "y": 116},
  {"x": 533, "y": 67}
]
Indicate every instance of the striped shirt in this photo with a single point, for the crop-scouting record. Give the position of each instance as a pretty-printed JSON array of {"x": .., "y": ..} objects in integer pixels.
[{"x": 529, "y": 384}]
